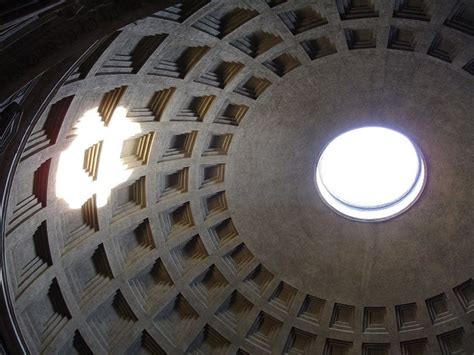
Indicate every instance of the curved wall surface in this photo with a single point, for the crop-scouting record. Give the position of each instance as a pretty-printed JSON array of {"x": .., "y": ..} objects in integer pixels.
[{"x": 164, "y": 199}]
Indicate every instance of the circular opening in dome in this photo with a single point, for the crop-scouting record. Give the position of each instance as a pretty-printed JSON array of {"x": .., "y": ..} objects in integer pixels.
[{"x": 370, "y": 173}]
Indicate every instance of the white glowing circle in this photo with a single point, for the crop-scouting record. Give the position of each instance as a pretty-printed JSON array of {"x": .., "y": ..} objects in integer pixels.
[{"x": 370, "y": 173}]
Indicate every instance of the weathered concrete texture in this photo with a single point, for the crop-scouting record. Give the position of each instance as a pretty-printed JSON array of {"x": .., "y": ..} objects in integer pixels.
[
  {"x": 216, "y": 245},
  {"x": 418, "y": 253}
]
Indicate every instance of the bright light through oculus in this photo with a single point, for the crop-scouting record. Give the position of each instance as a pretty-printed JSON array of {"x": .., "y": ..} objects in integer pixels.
[
  {"x": 73, "y": 183},
  {"x": 370, "y": 173}
]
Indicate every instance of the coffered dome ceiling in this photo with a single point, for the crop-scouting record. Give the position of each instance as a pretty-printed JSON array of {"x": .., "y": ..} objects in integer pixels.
[{"x": 165, "y": 201}]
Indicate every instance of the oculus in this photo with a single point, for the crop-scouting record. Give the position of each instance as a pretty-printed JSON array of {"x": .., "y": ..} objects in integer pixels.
[{"x": 370, "y": 173}]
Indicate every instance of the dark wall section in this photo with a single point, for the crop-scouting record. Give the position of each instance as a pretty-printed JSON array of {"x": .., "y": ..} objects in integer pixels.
[{"x": 38, "y": 34}]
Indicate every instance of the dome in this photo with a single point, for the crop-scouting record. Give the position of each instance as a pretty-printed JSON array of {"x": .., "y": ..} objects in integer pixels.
[{"x": 159, "y": 190}]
